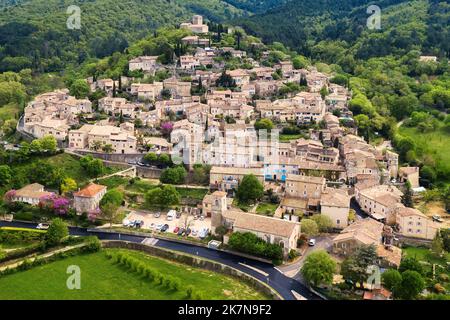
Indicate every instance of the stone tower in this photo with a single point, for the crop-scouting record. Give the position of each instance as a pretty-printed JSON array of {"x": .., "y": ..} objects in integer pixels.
[
  {"x": 197, "y": 20},
  {"x": 219, "y": 206}
]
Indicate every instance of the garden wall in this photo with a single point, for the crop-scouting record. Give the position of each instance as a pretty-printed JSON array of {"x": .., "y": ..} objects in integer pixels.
[{"x": 195, "y": 262}]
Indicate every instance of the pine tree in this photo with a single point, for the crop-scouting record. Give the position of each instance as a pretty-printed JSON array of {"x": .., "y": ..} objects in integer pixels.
[{"x": 407, "y": 196}]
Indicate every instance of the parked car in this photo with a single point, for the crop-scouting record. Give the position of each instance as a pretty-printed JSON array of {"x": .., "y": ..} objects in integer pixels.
[
  {"x": 158, "y": 227},
  {"x": 157, "y": 214},
  {"x": 437, "y": 218},
  {"x": 126, "y": 222},
  {"x": 312, "y": 242},
  {"x": 176, "y": 230},
  {"x": 194, "y": 233},
  {"x": 131, "y": 162},
  {"x": 203, "y": 233},
  {"x": 180, "y": 232},
  {"x": 165, "y": 228},
  {"x": 43, "y": 226},
  {"x": 138, "y": 224},
  {"x": 171, "y": 215},
  {"x": 141, "y": 164},
  {"x": 188, "y": 232},
  {"x": 178, "y": 214}
]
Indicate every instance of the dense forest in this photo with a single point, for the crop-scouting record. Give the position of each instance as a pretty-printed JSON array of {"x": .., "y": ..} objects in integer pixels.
[{"x": 34, "y": 34}]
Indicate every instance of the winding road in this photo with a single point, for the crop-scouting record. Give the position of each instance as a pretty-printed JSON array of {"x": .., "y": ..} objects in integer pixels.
[{"x": 277, "y": 280}]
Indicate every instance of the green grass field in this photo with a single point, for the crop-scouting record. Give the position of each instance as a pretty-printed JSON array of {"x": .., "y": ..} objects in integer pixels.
[
  {"x": 266, "y": 208},
  {"x": 196, "y": 194},
  {"x": 101, "y": 279},
  {"x": 424, "y": 254},
  {"x": 436, "y": 144}
]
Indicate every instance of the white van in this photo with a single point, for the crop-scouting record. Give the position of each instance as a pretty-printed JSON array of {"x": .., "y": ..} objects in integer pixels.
[{"x": 172, "y": 214}]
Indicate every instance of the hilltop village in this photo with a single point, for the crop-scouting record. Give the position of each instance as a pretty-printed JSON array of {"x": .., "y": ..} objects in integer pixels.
[{"x": 282, "y": 129}]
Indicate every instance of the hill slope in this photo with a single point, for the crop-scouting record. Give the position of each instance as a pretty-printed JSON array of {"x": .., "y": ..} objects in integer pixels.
[
  {"x": 406, "y": 25},
  {"x": 34, "y": 32}
]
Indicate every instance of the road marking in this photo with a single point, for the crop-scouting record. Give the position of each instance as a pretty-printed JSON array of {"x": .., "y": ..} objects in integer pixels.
[
  {"x": 297, "y": 295},
  {"x": 149, "y": 241},
  {"x": 278, "y": 270},
  {"x": 254, "y": 269}
]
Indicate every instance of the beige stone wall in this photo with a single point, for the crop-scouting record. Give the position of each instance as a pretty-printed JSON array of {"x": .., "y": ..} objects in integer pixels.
[{"x": 338, "y": 215}]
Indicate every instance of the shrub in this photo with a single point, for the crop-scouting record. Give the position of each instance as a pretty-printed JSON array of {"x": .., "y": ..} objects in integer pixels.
[
  {"x": 189, "y": 292},
  {"x": 249, "y": 243},
  {"x": 439, "y": 288},
  {"x": 93, "y": 245}
]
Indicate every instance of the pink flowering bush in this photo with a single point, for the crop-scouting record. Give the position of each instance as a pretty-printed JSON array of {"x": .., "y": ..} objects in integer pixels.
[
  {"x": 93, "y": 215},
  {"x": 166, "y": 128},
  {"x": 54, "y": 203},
  {"x": 9, "y": 195}
]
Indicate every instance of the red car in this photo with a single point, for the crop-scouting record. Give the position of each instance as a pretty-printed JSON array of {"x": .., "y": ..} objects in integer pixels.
[{"x": 176, "y": 230}]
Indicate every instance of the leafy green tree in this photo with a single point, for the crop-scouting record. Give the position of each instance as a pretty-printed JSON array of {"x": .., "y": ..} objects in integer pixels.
[
  {"x": 300, "y": 62},
  {"x": 68, "y": 185},
  {"x": 107, "y": 148},
  {"x": 93, "y": 167},
  {"x": 49, "y": 143},
  {"x": 164, "y": 159},
  {"x": 309, "y": 227},
  {"x": 412, "y": 284},
  {"x": 324, "y": 223},
  {"x": 175, "y": 175},
  {"x": 410, "y": 263},
  {"x": 392, "y": 280},
  {"x": 225, "y": 81},
  {"x": 248, "y": 242},
  {"x": 9, "y": 127},
  {"x": 162, "y": 197},
  {"x": 151, "y": 157},
  {"x": 319, "y": 268},
  {"x": 113, "y": 196},
  {"x": 5, "y": 175},
  {"x": 250, "y": 189},
  {"x": 264, "y": 124},
  {"x": 57, "y": 231},
  {"x": 355, "y": 267},
  {"x": 109, "y": 212},
  {"x": 437, "y": 245},
  {"x": 79, "y": 89},
  {"x": 407, "y": 196}
]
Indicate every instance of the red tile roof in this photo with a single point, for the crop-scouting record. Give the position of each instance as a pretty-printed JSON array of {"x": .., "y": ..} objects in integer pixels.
[{"x": 90, "y": 191}]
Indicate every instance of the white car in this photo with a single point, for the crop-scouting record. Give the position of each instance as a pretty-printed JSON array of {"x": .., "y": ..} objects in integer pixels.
[
  {"x": 126, "y": 222},
  {"x": 158, "y": 227},
  {"x": 312, "y": 242},
  {"x": 43, "y": 226},
  {"x": 203, "y": 233}
]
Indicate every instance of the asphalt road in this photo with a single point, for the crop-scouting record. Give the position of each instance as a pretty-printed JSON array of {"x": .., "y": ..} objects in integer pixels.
[{"x": 277, "y": 280}]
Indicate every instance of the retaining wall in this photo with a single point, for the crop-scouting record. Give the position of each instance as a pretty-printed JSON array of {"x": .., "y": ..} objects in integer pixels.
[{"x": 195, "y": 262}]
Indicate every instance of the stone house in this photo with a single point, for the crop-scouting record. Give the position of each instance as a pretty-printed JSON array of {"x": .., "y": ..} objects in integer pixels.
[{"x": 88, "y": 199}]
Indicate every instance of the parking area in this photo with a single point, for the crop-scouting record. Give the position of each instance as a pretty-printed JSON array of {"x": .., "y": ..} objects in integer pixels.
[{"x": 150, "y": 221}]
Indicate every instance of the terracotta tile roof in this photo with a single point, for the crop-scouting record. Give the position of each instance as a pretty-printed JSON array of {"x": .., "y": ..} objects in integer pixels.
[
  {"x": 335, "y": 198},
  {"x": 367, "y": 231},
  {"x": 90, "y": 191},
  {"x": 34, "y": 190},
  {"x": 259, "y": 223},
  {"x": 393, "y": 255},
  {"x": 307, "y": 179}
]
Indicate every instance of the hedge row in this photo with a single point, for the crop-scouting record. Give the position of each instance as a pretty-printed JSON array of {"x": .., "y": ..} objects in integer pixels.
[
  {"x": 19, "y": 235},
  {"x": 153, "y": 275},
  {"x": 92, "y": 245}
]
